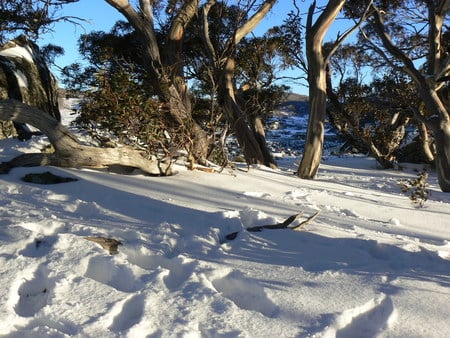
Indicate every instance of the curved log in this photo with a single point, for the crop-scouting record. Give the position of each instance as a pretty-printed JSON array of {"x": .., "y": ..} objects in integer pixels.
[{"x": 69, "y": 152}]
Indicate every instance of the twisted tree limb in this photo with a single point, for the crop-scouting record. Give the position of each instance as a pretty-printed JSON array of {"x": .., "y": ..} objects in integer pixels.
[
  {"x": 69, "y": 152},
  {"x": 283, "y": 225}
]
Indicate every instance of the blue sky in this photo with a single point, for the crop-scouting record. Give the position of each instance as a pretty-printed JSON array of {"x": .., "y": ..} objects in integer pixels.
[{"x": 102, "y": 16}]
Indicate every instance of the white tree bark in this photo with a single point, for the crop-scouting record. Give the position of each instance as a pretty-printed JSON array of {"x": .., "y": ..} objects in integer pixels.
[{"x": 317, "y": 64}]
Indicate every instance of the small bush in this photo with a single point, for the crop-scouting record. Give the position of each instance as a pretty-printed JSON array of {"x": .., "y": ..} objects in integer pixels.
[
  {"x": 416, "y": 188},
  {"x": 122, "y": 107}
]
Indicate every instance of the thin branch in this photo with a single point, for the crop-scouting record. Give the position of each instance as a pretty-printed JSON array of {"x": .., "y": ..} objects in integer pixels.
[
  {"x": 394, "y": 50},
  {"x": 205, "y": 25},
  {"x": 346, "y": 34},
  {"x": 251, "y": 23},
  {"x": 380, "y": 52}
]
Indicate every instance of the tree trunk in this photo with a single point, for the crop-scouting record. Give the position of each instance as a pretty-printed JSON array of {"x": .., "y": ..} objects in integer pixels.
[
  {"x": 315, "y": 135},
  {"x": 237, "y": 119},
  {"x": 442, "y": 140},
  {"x": 260, "y": 135},
  {"x": 439, "y": 124},
  {"x": 317, "y": 63},
  {"x": 198, "y": 144},
  {"x": 253, "y": 144},
  {"x": 244, "y": 135},
  {"x": 25, "y": 76},
  {"x": 426, "y": 143},
  {"x": 167, "y": 79},
  {"x": 180, "y": 113},
  {"x": 428, "y": 84},
  {"x": 68, "y": 150}
]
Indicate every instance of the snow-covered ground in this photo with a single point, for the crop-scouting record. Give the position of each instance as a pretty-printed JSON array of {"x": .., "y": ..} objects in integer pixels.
[{"x": 372, "y": 264}]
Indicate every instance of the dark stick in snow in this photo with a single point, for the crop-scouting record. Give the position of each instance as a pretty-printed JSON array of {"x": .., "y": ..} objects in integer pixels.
[{"x": 283, "y": 225}]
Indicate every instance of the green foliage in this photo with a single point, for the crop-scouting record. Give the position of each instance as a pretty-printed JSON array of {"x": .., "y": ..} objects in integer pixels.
[
  {"x": 288, "y": 39},
  {"x": 374, "y": 117},
  {"x": 110, "y": 53},
  {"x": 416, "y": 188},
  {"x": 50, "y": 52},
  {"x": 29, "y": 17},
  {"x": 77, "y": 78},
  {"x": 122, "y": 107},
  {"x": 118, "y": 70}
]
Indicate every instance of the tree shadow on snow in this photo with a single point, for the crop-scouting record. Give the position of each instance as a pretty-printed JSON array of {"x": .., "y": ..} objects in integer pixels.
[
  {"x": 353, "y": 256},
  {"x": 95, "y": 199}
]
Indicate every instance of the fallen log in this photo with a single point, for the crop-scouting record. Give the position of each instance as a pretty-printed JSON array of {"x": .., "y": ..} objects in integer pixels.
[
  {"x": 109, "y": 244},
  {"x": 286, "y": 224},
  {"x": 69, "y": 152}
]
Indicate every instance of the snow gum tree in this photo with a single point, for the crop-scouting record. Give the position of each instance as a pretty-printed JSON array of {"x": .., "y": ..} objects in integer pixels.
[
  {"x": 317, "y": 62},
  {"x": 165, "y": 74},
  {"x": 223, "y": 61},
  {"x": 424, "y": 57}
]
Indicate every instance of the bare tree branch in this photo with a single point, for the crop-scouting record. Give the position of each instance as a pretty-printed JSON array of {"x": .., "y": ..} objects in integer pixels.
[
  {"x": 205, "y": 25},
  {"x": 286, "y": 224},
  {"x": 347, "y": 33},
  {"x": 251, "y": 23},
  {"x": 394, "y": 50}
]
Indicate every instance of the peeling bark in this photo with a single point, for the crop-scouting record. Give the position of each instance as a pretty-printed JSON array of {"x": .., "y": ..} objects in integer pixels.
[{"x": 24, "y": 76}]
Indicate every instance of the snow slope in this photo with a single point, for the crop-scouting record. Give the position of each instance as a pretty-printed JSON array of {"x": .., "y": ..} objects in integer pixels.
[{"x": 372, "y": 264}]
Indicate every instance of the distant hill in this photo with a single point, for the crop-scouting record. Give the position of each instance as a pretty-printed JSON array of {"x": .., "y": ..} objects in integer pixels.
[
  {"x": 296, "y": 97},
  {"x": 293, "y": 104}
]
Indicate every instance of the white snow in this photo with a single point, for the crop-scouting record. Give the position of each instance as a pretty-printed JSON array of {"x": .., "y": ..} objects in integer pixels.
[
  {"x": 371, "y": 264},
  {"x": 21, "y": 78},
  {"x": 18, "y": 52}
]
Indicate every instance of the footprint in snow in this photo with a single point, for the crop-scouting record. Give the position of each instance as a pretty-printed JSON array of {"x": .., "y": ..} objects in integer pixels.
[
  {"x": 179, "y": 268},
  {"x": 368, "y": 320},
  {"x": 130, "y": 314},
  {"x": 33, "y": 292},
  {"x": 297, "y": 194},
  {"x": 256, "y": 194},
  {"x": 245, "y": 293},
  {"x": 39, "y": 247},
  {"x": 85, "y": 209},
  {"x": 105, "y": 270}
]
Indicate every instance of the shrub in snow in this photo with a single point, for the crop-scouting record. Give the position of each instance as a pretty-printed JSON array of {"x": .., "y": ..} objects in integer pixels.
[{"x": 417, "y": 188}]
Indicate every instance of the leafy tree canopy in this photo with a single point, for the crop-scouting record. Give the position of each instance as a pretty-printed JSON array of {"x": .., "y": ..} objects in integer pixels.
[{"x": 30, "y": 17}]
